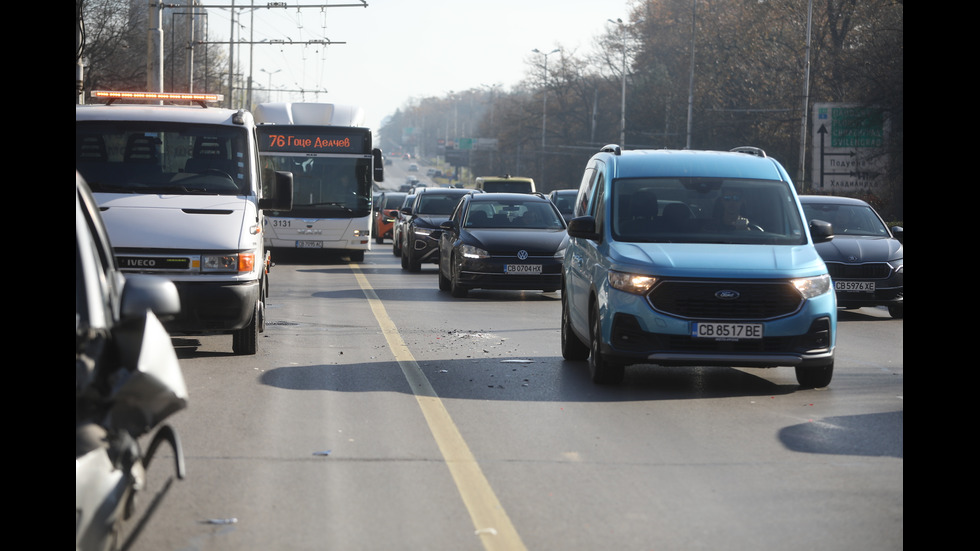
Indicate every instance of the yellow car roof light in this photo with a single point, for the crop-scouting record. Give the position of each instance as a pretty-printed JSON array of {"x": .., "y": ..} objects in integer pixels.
[{"x": 111, "y": 96}]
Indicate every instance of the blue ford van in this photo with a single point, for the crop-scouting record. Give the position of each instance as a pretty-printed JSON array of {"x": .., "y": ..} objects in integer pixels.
[{"x": 695, "y": 258}]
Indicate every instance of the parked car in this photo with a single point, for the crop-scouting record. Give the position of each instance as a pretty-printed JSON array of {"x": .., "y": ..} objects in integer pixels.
[
  {"x": 398, "y": 226},
  {"x": 865, "y": 258},
  {"x": 695, "y": 258},
  {"x": 384, "y": 218},
  {"x": 564, "y": 199},
  {"x": 502, "y": 241},
  {"x": 420, "y": 237}
]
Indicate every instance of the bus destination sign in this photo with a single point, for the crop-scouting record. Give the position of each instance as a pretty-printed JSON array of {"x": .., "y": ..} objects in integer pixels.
[{"x": 313, "y": 142}]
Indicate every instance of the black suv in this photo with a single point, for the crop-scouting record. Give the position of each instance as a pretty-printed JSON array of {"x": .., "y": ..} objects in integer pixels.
[{"x": 420, "y": 236}]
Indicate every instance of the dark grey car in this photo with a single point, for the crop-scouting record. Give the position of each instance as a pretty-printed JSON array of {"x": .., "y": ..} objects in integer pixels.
[{"x": 865, "y": 258}]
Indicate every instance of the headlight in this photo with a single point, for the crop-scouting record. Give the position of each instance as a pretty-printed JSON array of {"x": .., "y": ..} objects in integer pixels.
[
  {"x": 638, "y": 284},
  {"x": 244, "y": 262},
  {"x": 423, "y": 231},
  {"x": 469, "y": 251},
  {"x": 811, "y": 287}
]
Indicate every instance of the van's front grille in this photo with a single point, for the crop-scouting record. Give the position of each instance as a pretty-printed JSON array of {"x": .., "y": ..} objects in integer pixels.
[{"x": 728, "y": 299}]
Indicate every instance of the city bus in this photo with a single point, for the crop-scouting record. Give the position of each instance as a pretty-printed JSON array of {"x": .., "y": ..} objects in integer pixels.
[{"x": 334, "y": 168}]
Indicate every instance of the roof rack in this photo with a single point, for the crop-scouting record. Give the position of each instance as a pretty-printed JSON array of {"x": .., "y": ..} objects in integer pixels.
[
  {"x": 612, "y": 148},
  {"x": 750, "y": 150}
]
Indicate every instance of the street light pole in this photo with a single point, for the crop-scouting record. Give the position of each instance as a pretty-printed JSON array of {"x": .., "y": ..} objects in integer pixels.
[
  {"x": 270, "y": 73},
  {"x": 622, "y": 112},
  {"x": 544, "y": 107}
]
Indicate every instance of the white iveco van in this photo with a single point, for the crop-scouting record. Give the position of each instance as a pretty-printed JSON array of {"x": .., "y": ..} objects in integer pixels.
[{"x": 182, "y": 196}]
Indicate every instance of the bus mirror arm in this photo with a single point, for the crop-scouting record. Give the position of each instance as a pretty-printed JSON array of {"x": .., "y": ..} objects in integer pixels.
[
  {"x": 379, "y": 165},
  {"x": 282, "y": 193}
]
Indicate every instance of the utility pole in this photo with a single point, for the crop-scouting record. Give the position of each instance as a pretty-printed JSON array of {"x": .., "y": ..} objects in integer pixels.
[
  {"x": 154, "y": 48},
  {"x": 622, "y": 104}
]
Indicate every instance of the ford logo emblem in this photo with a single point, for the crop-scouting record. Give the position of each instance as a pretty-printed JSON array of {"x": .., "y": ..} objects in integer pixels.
[
  {"x": 522, "y": 254},
  {"x": 727, "y": 294}
]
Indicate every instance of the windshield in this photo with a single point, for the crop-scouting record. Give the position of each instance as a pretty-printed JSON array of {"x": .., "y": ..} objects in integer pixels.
[
  {"x": 705, "y": 210},
  {"x": 155, "y": 157},
  {"x": 507, "y": 187},
  {"x": 847, "y": 219},
  {"x": 566, "y": 203},
  {"x": 513, "y": 214},
  {"x": 437, "y": 203},
  {"x": 326, "y": 185}
]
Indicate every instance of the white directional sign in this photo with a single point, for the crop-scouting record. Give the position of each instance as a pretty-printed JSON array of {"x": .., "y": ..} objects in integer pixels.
[{"x": 848, "y": 148}]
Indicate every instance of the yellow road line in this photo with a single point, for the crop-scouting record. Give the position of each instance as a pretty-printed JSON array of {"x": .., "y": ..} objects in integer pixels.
[{"x": 491, "y": 522}]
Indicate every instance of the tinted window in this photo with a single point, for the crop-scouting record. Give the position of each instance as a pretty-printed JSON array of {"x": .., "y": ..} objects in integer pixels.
[
  {"x": 513, "y": 214},
  {"x": 705, "y": 210},
  {"x": 436, "y": 203},
  {"x": 847, "y": 219},
  {"x": 154, "y": 157},
  {"x": 507, "y": 187}
]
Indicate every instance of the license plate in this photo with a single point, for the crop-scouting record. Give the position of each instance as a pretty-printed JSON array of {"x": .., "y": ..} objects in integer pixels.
[
  {"x": 726, "y": 330},
  {"x": 522, "y": 268},
  {"x": 855, "y": 286},
  {"x": 309, "y": 244}
]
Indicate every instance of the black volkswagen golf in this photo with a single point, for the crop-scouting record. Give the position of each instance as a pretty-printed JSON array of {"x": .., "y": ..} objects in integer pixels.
[{"x": 502, "y": 241}]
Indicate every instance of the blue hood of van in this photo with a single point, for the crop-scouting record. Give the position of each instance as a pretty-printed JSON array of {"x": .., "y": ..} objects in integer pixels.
[{"x": 717, "y": 260}]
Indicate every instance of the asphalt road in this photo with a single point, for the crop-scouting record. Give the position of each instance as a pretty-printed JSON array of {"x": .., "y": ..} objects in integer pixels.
[{"x": 381, "y": 413}]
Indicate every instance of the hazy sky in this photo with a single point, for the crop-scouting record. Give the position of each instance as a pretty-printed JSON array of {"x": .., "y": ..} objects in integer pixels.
[{"x": 396, "y": 50}]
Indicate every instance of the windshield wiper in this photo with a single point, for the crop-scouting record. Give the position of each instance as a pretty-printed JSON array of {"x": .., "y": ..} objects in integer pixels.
[{"x": 327, "y": 204}]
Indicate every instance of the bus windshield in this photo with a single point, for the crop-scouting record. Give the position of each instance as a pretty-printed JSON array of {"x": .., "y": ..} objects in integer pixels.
[{"x": 326, "y": 186}]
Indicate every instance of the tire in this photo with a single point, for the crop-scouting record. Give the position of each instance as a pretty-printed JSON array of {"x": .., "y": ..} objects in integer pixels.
[
  {"x": 261, "y": 317},
  {"x": 602, "y": 371},
  {"x": 396, "y": 246},
  {"x": 814, "y": 376},
  {"x": 896, "y": 311},
  {"x": 455, "y": 289},
  {"x": 571, "y": 347},
  {"x": 405, "y": 259},
  {"x": 444, "y": 283},
  {"x": 245, "y": 341}
]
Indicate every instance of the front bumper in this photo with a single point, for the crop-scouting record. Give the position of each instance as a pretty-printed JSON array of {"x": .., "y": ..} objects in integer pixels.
[
  {"x": 492, "y": 274},
  {"x": 425, "y": 247},
  {"x": 213, "y": 307},
  {"x": 633, "y": 332}
]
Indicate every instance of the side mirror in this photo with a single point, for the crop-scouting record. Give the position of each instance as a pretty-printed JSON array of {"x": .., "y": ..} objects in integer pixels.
[
  {"x": 379, "y": 165},
  {"x": 898, "y": 232},
  {"x": 821, "y": 231},
  {"x": 448, "y": 225},
  {"x": 583, "y": 227},
  {"x": 142, "y": 292},
  {"x": 280, "y": 186}
]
